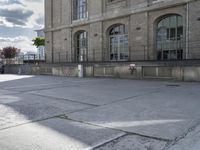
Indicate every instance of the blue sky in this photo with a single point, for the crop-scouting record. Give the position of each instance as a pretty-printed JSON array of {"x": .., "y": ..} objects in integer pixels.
[{"x": 18, "y": 20}]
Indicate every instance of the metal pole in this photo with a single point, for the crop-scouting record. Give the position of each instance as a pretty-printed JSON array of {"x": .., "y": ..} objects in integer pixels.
[
  {"x": 59, "y": 57},
  {"x": 144, "y": 52},
  {"x": 187, "y": 32}
]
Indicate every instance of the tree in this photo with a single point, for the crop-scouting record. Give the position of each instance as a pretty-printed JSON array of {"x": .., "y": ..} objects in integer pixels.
[
  {"x": 39, "y": 41},
  {"x": 10, "y": 52},
  {"x": 1, "y": 53}
]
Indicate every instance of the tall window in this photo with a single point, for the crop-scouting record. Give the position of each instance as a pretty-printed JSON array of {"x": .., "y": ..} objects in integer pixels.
[
  {"x": 118, "y": 41},
  {"x": 170, "y": 38},
  {"x": 79, "y": 9},
  {"x": 81, "y": 46}
]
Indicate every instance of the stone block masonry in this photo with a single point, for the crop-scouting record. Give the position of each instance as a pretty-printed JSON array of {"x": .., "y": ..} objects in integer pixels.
[{"x": 153, "y": 30}]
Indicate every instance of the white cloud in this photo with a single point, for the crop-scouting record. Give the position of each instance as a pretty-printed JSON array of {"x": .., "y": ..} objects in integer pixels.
[
  {"x": 21, "y": 42},
  {"x": 22, "y": 13}
]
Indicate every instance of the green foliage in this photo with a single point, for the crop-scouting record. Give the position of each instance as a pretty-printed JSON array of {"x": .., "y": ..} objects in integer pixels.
[
  {"x": 39, "y": 41},
  {"x": 10, "y": 52}
]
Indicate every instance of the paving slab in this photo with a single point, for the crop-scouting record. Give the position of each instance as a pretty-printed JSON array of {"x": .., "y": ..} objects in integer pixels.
[
  {"x": 103, "y": 92},
  {"x": 12, "y": 78},
  {"x": 22, "y": 108},
  {"x": 3, "y": 92},
  {"x": 33, "y": 83},
  {"x": 15, "y": 82},
  {"x": 55, "y": 134},
  {"x": 38, "y": 87},
  {"x": 166, "y": 114},
  {"x": 133, "y": 142},
  {"x": 159, "y": 109},
  {"x": 190, "y": 142}
]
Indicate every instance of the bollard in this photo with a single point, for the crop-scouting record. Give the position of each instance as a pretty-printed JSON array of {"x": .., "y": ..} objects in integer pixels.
[{"x": 80, "y": 71}]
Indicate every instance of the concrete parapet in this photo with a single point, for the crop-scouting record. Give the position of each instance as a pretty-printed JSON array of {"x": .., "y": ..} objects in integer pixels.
[{"x": 123, "y": 70}]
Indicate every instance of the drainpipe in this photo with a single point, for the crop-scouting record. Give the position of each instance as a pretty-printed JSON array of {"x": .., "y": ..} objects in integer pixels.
[
  {"x": 187, "y": 31},
  {"x": 148, "y": 43},
  {"x": 51, "y": 44}
]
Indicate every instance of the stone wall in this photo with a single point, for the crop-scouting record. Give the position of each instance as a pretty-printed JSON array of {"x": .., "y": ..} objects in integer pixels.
[{"x": 175, "y": 71}]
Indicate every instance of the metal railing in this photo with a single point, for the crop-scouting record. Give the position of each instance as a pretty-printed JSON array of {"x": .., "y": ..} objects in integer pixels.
[
  {"x": 138, "y": 52},
  {"x": 32, "y": 58},
  {"x": 165, "y": 51}
]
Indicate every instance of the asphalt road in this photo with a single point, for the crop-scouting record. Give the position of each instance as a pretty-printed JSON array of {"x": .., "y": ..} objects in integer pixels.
[{"x": 60, "y": 113}]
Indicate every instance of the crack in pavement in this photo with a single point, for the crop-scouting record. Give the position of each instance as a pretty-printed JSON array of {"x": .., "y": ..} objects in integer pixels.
[
  {"x": 64, "y": 99},
  {"x": 106, "y": 142},
  {"x": 177, "y": 139},
  {"x": 103, "y": 144},
  {"x": 124, "y": 136},
  {"x": 95, "y": 106},
  {"x": 41, "y": 89},
  {"x": 43, "y": 118},
  {"x": 141, "y": 135},
  {"x": 32, "y": 121},
  {"x": 73, "y": 83}
]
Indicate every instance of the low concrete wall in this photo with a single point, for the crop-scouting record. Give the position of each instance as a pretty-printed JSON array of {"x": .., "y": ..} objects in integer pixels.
[
  {"x": 41, "y": 70},
  {"x": 191, "y": 74},
  {"x": 18, "y": 69},
  {"x": 120, "y": 70}
]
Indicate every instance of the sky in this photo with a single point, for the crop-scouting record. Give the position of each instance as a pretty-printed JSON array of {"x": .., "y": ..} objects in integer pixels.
[{"x": 18, "y": 20}]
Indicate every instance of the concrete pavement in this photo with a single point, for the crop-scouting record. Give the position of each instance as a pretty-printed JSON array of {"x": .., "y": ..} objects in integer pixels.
[{"x": 59, "y": 113}]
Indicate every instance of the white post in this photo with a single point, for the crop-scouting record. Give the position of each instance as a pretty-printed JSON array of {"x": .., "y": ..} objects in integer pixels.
[
  {"x": 80, "y": 71},
  {"x": 80, "y": 68}
]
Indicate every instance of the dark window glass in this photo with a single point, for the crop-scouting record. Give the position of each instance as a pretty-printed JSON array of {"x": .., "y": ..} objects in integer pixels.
[
  {"x": 79, "y": 9},
  {"x": 82, "y": 46},
  {"x": 118, "y": 43},
  {"x": 170, "y": 37}
]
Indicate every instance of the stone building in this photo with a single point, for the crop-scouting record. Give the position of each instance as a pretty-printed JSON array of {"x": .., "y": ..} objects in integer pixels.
[{"x": 122, "y": 30}]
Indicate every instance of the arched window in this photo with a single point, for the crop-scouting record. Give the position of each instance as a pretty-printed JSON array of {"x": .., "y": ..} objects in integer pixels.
[
  {"x": 169, "y": 40},
  {"x": 81, "y": 40},
  {"x": 118, "y": 43},
  {"x": 79, "y": 9}
]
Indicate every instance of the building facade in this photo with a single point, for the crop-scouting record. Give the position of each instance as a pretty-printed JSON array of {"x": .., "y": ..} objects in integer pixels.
[{"x": 122, "y": 30}]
